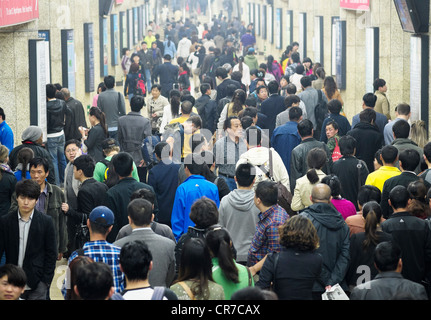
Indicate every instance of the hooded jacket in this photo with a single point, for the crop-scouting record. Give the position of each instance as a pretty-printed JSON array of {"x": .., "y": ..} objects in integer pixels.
[
  {"x": 239, "y": 215},
  {"x": 251, "y": 61},
  {"x": 334, "y": 242}
]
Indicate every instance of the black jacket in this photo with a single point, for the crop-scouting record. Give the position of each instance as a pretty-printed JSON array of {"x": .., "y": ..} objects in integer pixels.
[
  {"x": 222, "y": 88},
  {"x": 7, "y": 188},
  {"x": 56, "y": 111},
  {"x": 413, "y": 236},
  {"x": 207, "y": 110},
  {"x": 369, "y": 139},
  {"x": 41, "y": 251},
  {"x": 271, "y": 107},
  {"x": 168, "y": 74},
  {"x": 75, "y": 119}
]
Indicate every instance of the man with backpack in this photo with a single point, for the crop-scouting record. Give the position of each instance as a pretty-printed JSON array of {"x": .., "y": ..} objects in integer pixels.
[{"x": 314, "y": 100}]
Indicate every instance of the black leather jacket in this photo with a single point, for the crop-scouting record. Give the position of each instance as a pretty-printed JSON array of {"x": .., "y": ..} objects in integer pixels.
[{"x": 56, "y": 113}]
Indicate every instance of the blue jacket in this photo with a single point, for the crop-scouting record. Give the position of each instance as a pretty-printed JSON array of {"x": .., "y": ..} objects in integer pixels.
[
  {"x": 284, "y": 139},
  {"x": 192, "y": 189},
  {"x": 168, "y": 74},
  {"x": 6, "y": 136}
]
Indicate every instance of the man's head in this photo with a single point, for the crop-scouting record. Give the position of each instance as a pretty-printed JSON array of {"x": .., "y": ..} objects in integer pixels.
[
  {"x": 389, "y": 154},
  {"x": 427, "y": 152},
  {"x": 221, "y": 73},
  {"x": 2, "y": 115},
  {"x": 253, "y": 136},
  {"x": 368, "y": 116},
  {"x": 262, "y": 92},
  {"x": 109, "y": 82},
  {"x": 66, "y": 93},
  {"x": 367, "y": 193},
  {"x": 296, "y": 58},
  {"x": 72, "y": 149},
  {"x": 403, "y": 109},
  {"x": 387, "y": 257},
  {"x": 204, "y": 213},
  {"x": 305, "y": 128},
  {"x": 292, "y": 101},
  {"x": 167, "y": 57},
  {"x": 186, "y": 107},
  {"x": 273, "y": 87},
  {"x": 295, "y": 114},
  {"x": 369, "y": 100},
  {"x": 123, "y": 164},
  {"x": 266, "y": 194},
  {"x": 205, "y": 88},
  {"x": 100, "y": 221},
  {"x": 39, "y": 170},
  {"x": 399, "y": 198},
  {"x": 306, "y": 82},
  {"x": 94, "y": 281},
  {"x": 162, "y": 150},
  {"x": 347, "y": 145},
  {"x": 144, "y": 45},
  {"x": 83, "y": 167},
  {"x": 193, "y": 164},
  {"x": 140, "y": 212},
  {"x": 51, "y": 90},
  {"x": 321, "y": 193},
  {"x": 136, "y": 261},
  {"x": 233, "y": 126},
  {"x": 380, "y": 85},
  {"x": 409, "y": 160},
  {"x": 245, "y": 175},
  {"x": 27, "y": 193},
  {"x": 137, "y": 103},
  {"x": 334, "y": 106},
  {"x": 401, "y": 129},
  {"x": 12, "y": 282},
  {"x": 109, "y": 146}
]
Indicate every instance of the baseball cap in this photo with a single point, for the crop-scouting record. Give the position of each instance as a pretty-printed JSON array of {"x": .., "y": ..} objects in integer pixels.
[
  {"x": 250, "y": 50},
  {"x": 102, "y": 215}
]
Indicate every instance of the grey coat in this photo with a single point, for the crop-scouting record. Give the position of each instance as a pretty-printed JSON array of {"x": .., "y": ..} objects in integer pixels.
[
  {"x": 112, "y": 103},
  {"x": 163, "y": 252}
]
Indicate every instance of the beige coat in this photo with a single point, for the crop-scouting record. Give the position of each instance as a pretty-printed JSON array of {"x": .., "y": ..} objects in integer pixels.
[{"x": 301, "y": 194}]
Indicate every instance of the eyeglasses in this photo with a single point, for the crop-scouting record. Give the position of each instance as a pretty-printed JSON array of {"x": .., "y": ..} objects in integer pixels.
[{"x": 72, "y": 150}]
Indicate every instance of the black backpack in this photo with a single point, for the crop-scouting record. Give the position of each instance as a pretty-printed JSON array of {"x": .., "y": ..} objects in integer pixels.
[{"x": 320, "y": 113}]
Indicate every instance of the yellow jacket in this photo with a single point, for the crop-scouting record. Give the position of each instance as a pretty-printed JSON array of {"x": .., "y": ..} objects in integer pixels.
[{"x": 378, "y": 177}]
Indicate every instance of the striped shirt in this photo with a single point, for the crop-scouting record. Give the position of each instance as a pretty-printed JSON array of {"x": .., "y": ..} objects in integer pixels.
[{"x": 266, "y": 238}]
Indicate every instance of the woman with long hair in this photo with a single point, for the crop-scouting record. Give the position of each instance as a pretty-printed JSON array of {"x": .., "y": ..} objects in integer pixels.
[
  {"x": 93, "y": 138},
  {"x": 22, "y": 170},
  {"x": 293, "y": 271},
  {"x": 343, "y": 206},
  {"x": 316, "y": 159},
  {"x": 273, "y": 67},
  {"x": 233, "y": 108},
  {"x": 172, "y": 110},
  {"x": 330, "y": 89},
  {"x": 363, "y": 244},
  {"x": 419, "y": 133},
  {"x": 195, "y": 281},
  {"x": 226, "y": 272},
  {"x": 418, "y": 206}
]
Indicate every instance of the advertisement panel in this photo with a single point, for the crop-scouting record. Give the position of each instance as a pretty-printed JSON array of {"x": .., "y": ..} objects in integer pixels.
[
  {"x": 14, "y": 12},
  {"x": 355, "y": 4}
]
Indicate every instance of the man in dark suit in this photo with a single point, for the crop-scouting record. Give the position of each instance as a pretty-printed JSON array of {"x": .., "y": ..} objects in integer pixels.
[
  {"x": 168, "y": 74},
  {"x": 91, "y": 194},
  {"x": 222, "y": 75},
  {"x": 118, "y": 197},
  {"x": 408, "y": 160},
  {"x": 36, "y": 251},
  {"x": 272, "y": 106}
]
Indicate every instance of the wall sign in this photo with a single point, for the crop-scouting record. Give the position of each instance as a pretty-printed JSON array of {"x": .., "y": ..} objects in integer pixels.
[
  {"x": 363, "y": 5},
  {"x": 14, "y": 12}
]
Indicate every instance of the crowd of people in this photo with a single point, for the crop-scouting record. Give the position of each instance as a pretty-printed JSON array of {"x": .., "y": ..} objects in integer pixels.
[{"x": 228, "y": 179}]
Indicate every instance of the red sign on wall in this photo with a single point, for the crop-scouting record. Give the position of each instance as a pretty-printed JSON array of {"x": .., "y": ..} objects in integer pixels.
[
  {"x": 18, "y": 11},
  {"x": 355, "y": 4}
]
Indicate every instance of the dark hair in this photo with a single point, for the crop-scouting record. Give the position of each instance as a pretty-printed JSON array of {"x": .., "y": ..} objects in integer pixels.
[
  {"x": 334, "y": 106},
  {"x": 228, "y": 122},
  {"x": 194, "y": 163},
  {"x": 27, "y": 188},
  {"x": 418, "y": 206},
  {"x": 253, "y": 136},
  {"x": 291, "y": 99},
  {"x": 409, "y": 159},
  {"x": 86, "y": 164},
  {"x": 123, "y": 164},
  {"x": 372, "y": 213},
  {"x": 295, "y": 57},
  {"x": 295, "y": 113},
  {"x": 195, "y": 263},
  {"x": 74, "y": 265},
  {"x": 2, "y": 114},
  {"x": 378, "y": 83},
  {"x": 316, "y": 159},
  {"x": 221, "y": 72},
  {"x": 401, "y": 129},
  {"x": 291, "y": 88},
  {"x": 427, "y": 151},
  {"x": 109, "y": 82},
  {"x": 273, "y": 87},
  {"x": 399, "y": 197},
  {"x": 368, "y": 193},
  {"x": 94, "y": 281},
  {"x": 72, "y": 141},
  {"x": 368, "y": 116},
  {"x": 160, "y": 150},
  {"x": 347, "y": 145},
  {"x": 369, "y": 100},
  {"x": 246, "y": 122},
  {"x": 403, "y": 109},
  {"x": 245, "y": 174},
  {"x": 175, "y": 101},
  {"x": 300, "y": 69},
  {"x": 334, "y": 183},
  {"x": 389, "y": 154},
  {"x": 197, "y": 141},
  {"x": 24, "y": 157},
  {"x": 51, "y": 90},
  {"x": 306, "y": 81},
  {"x": 204, "y": 213},
  {"x": 145, "y": 194},
  {"x": 332, "y": 123},
  {"x": 377, "y": 157},
  {"x": 299, "y": 232},
  {"x": 320, "y": 72},
  {"x": 386, "y": 256},
  {"x": 250, "y": 111},
  {"x": 220, "y": 244},
  {"x": 205, "y": 87},
  {"x": 135, "y": 260},
  {"x": 137, "y": 103},
  {"x": 238, "y": 100},
  {"x": 267, "y": 192},
  {"x": 16, "y": 276},
  {"x": 305, "y": 128},
  {"x": 230, "y": 89},
  {"x": 330, "y": 86},
  {"x": 140, "y": 211},
  {"x": 96, "y": 112},
  {"x": 38, "y": 161}
]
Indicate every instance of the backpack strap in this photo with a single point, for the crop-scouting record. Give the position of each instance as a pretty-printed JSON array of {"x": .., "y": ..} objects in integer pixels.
[
  {"x": 158, "y": 293},
  {"x": 187, "y": 290}
]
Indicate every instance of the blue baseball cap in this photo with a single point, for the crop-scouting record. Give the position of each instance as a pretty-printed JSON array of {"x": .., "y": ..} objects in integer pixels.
[{"x": 102, "y": 215}]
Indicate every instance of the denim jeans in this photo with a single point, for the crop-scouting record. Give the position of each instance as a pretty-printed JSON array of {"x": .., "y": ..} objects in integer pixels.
[
  {"x": 229, "y": 181},
  {"x": 55, "y": 147},
  {"x": 148, "y": 84}
]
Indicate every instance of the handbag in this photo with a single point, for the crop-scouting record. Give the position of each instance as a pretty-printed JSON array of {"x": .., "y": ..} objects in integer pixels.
[
  {"x": 336, "y": 154},
  {"x": 82, "y": 234}
]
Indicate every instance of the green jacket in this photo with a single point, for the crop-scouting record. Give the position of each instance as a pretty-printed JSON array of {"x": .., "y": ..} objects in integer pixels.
[
  {"x": 99, "y": 171},
  {"x": 251, "y": 61}
]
